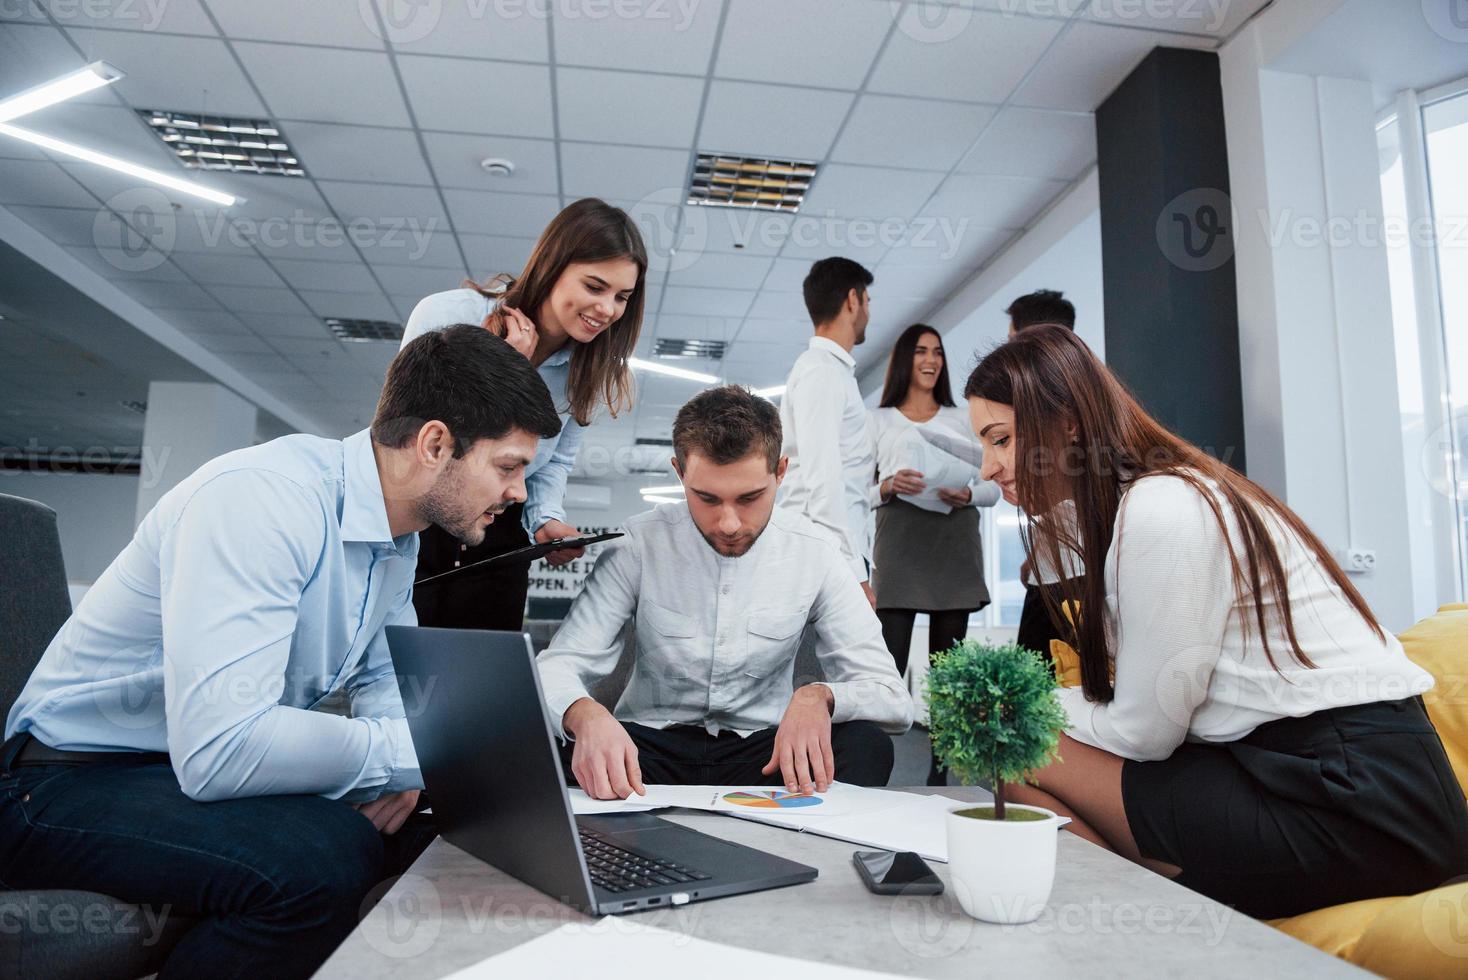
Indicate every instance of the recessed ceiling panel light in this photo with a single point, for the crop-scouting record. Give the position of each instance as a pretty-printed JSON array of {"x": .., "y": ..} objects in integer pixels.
[
  {"x": 68, "y": 86},
  {"x": 673, "y": 347},
  {"x": 364, "y": 331},
  {"x": 724, "y": 180},
  {"x": 201, "y": 142}
]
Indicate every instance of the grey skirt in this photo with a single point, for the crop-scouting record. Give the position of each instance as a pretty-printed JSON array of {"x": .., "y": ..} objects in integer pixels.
[{"x": 927, "y": 561}]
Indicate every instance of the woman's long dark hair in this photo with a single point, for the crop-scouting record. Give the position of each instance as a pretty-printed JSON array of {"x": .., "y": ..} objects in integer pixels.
[
  {"x": 899, "y": 369},
  {"x": 1053, "y": 382},
  {"x": 590, "y": 230}
]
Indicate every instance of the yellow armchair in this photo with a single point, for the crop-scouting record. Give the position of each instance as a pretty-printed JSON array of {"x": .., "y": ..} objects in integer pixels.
[{"x": 1412, "y": 936}]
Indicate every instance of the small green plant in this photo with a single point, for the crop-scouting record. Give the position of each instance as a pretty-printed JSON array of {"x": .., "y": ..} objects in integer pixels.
[{"x": 993, "y": 713}]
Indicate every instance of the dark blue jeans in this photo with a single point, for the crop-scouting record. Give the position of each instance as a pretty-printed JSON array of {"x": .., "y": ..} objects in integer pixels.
[{"x": 275, "y": 883}]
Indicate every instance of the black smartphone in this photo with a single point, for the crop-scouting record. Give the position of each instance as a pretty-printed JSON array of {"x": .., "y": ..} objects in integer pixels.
[{"x": 896, "y": 873}]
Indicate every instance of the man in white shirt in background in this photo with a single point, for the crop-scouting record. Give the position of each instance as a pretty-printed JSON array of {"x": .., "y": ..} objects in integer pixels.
[
  {"x": 832, "y": 461},
  {"x": 721, "y": 587}
]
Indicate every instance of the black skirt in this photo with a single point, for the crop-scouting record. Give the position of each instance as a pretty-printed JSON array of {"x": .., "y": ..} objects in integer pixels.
[
  {"x": 493, "y": 600},
  {"x": 1303, "y": 813}
]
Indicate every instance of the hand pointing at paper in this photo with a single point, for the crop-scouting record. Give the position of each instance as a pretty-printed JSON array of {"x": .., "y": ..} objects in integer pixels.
[{"x": 604, "y": 761}]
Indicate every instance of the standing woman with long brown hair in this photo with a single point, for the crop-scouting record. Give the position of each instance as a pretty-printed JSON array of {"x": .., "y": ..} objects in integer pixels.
[
  {"x": 575, "y": 311},
  {"x": 928, "y": 554},
  {"x": 1244, "y": 723}
]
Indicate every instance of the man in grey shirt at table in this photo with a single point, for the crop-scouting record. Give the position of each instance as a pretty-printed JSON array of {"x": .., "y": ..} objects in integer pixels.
[{"x": 722, "y": 588}]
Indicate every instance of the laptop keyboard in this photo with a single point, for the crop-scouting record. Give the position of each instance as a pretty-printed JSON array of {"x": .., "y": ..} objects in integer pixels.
[{"x": 619, "y": 870}]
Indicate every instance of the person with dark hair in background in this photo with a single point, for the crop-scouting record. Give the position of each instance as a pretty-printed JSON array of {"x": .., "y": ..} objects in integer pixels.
[
  {"x": 1243, "y": 722},
  {"x": 721, "y": 586},
  {"x": 1042, "y": 307},
  {"x": 928, "y": 554},
  {"x": 824, "y": 418},
  {"x": 575, "y": 311},
  {"x": 164, "y": 750}
]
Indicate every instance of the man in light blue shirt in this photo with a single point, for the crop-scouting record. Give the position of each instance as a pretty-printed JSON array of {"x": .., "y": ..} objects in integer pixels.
[{"x": 164, "y": 750}]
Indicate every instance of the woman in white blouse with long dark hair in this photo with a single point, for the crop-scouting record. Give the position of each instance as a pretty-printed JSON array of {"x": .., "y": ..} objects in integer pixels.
[
  {"x": 928, "y": 553},
  {"x": 1244, "y": 724}
]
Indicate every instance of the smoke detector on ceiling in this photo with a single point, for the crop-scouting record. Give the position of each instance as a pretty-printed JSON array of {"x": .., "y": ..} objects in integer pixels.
[{"x": 497, "y": 166}]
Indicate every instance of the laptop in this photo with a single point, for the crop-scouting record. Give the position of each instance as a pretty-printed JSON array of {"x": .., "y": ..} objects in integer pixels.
[{"x": 491, "y": 766}]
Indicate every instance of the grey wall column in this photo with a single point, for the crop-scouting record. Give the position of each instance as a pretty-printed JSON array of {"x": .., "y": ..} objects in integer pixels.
[
  {"x": 187, "y": 425},
  {"x": 1167, "y": 241}
]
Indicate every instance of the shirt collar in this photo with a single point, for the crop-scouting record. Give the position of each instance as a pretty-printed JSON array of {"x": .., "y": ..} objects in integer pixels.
[
  {"x": 562, "y": 356},
  {"x": 831, "y": 347},
  {"x": 364, "y": 513}
]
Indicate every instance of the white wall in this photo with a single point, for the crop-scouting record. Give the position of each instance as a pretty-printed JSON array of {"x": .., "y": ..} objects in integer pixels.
[
  {"x": 1315, "y": 318},
  {"x": 94, "y": 514}
]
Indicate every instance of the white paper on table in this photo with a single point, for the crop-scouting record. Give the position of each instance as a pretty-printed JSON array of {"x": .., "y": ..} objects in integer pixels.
[
  {"x": 625, "y": 949},
  {"x": 709, "y": 798},
  {"x": 885, "y": 819}
]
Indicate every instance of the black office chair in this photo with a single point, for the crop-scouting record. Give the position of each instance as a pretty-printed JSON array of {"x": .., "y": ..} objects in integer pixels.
[{"x": 53, "y": 933}]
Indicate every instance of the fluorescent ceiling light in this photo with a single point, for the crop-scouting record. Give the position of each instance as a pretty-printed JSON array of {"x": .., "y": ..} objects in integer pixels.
[
  {"x": 655, "y": 499},
  {"x": 113, "y": 163},
  {"x": 68, "y": 86},
  {"x": 672, "y": 372},
  {"x": 770, "y": 393},
  {"x": 675, "y": 488}
]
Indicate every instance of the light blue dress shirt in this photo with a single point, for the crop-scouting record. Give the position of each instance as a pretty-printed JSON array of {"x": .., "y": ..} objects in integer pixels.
[
  {"x": 545, "y": 477},
  {"x": 252, "y": 590}
]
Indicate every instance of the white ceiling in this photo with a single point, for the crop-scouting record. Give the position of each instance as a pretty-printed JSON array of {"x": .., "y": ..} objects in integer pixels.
[{"x": 942, "y": 131}]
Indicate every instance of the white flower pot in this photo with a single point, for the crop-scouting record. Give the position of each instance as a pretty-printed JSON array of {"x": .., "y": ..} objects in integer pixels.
[{"x": 1002, "y": 870}]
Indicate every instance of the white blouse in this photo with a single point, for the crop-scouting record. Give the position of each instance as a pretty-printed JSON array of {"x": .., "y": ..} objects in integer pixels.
[
  {"x": 1189, "y": 661},
  {"x": 900, "y": 445}
]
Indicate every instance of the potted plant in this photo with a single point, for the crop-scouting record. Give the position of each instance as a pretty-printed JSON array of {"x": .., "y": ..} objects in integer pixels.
[{"x": 994, "y": 715}]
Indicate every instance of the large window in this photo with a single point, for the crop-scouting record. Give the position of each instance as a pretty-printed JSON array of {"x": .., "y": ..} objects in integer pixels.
[{"x": 1424, "y": 184}]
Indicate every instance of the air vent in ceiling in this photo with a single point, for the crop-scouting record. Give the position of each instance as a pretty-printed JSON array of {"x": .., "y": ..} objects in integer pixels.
[
  {"x": 140, "y": 408},
  {"x": 364, "y": 331},
  {"x": 673, "y": 347},
  {"x": 253, "y": 146},
  {"x": 643, "y": 441},
  {"x": 720, "y": 180}
]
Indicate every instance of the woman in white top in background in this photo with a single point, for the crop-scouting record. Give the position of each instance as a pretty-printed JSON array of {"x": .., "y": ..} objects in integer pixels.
[
  {"x": 575, "y": 311},
  {"x": 928, "y": 554},
  {"x": 1244, "y": 723}
]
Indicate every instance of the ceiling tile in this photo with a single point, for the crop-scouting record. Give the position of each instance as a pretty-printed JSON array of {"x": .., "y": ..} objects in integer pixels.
[
  {"x": 132, "y": 263},
  {"x": 111, "y": 129},
  {"x": 784, "y": 331},
  {"x": 859, "y": 239},
  {"x": 511, "y": 29},
  {"x": 490, "y": 255},
  {"x": 338, "y": 23},
  {"x": 41, "y": 182},
  {"x": 677, "y": 37},
  {"x": 171, "y": 17},
  {"x": 607, "y": 107},
  {"x": 240, "y": 342},
  {"x": 897, "y": 132},
  {"x": 407, "y": 280},
  {"x": 694, "y": 327},
  {"x": 706, "y": 302},
  {"x": 738, "y": 119},
  {"x": 722, "y": 270},
  {"x": 738, "y": 230},
  {"x": 325, "y": 84},
  {"x": 456, "y": 160},
  {"x": 1034, "y": 143},
  {"x": 248, "y": 299},
  {"x": 829, "y": 43},
  {"x": 333, "y": 276},
  {"x": 415, "y": 246},
  {"x": 163, "y": 72},
  {"x": 357, "y": 305},
  {"x": 946, "y": 240},
  {"x": 623, "y": 172},
  {"x": 1089, "y": 61},
  {"x": 285, "y": 325},
  {"x": 1217, "y": 20},
  {"x": 869, "y": 192},
  {"x": 981, "y": 60},
  {"x": 778, "y": 306},
  {"x": 170, "y": 295},
  {"x": 992, "y": 202},
  {"x": 379, "y": 208},
  {"x": 357, "y": 153},
  {"x": 484, "y": 213},
  {"x": 227, "y": 270},
  {"x": 787, "y": 276},
  {"x": 33, "y": 54},
  {"x": 64, "y": 226},
  {"x": 465, "y": 96}
]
